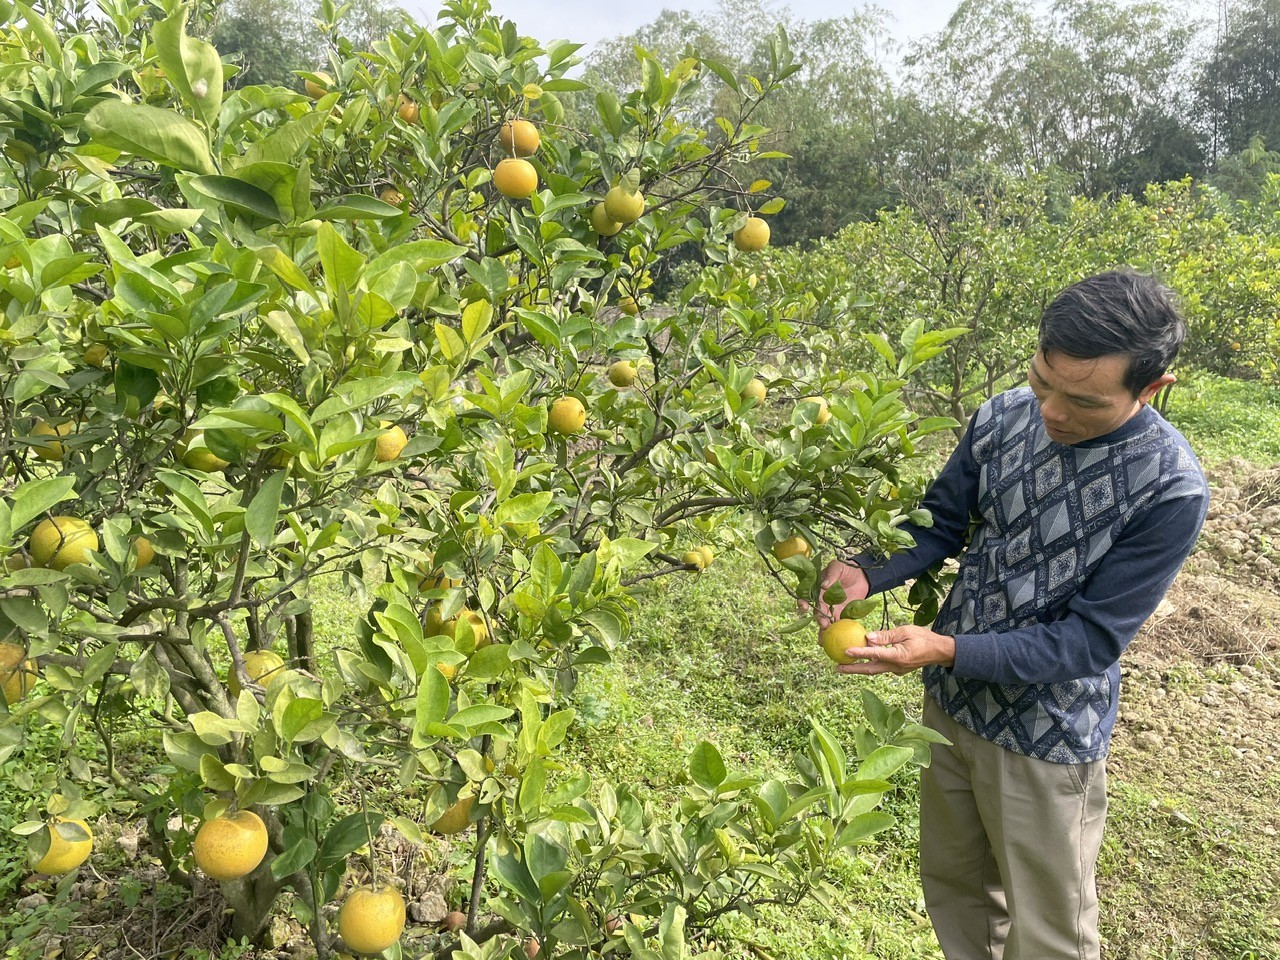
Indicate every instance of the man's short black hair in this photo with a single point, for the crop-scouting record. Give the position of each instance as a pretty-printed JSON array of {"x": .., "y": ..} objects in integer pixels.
[{"x": 1119, "y": 312}]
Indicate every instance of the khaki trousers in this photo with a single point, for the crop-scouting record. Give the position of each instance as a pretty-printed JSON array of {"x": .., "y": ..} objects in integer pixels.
[{"x": 1008, "y": 848}]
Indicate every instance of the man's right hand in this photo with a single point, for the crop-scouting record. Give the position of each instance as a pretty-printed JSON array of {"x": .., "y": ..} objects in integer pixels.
[{"x": 851, "y": 579}]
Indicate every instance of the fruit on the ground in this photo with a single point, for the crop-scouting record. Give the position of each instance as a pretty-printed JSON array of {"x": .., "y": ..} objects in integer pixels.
[
  {"x": 568, "y": 416},
  {"x": 824, "y": 412},
  {"x": 629, "y": 306},
  {"x": 841, "y": 636},
  {"x": 65, "y": 855},
  {"x": 316, "y": 90},
  {"x": 58, "y": 542},
  {"x": 795, "y": 546},
  {"x": 197, "y": 456},
  {"x": 532, "y": 947},
  {"x": 96, "y": 355},
  {"x": 515, "y": 178},
  {"x": 755, "y": 390},
  {"x": 51, "y": 449},
  {"x": 519, "y": 138},
  {"x": 392, "y": 196},
  {"x": 622, "y": 373},
  {"x": 390, "y": 444},
  {"x": 143, "y": 552},
  {"x": 622, "y": 207},
  {"x": 260, "y": 665},
  {"x": 456, "y": 819},
  {"x": 408, "y": 109},
  {"x": 17, "y": 673},
  {"x": 752, "y": 235},
  {"x": 453, "y": 921},
  {"x": 601, "y": 223},
  {"x": 371, "y": 918},
  {"x": 230, "y": 846}
]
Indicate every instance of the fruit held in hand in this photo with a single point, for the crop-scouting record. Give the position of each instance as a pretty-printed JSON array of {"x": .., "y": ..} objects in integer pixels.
[
  {"x": 371, "y": 919},
  {"x": 841, "y": 636},
  {"x": 230, "y": 846}
]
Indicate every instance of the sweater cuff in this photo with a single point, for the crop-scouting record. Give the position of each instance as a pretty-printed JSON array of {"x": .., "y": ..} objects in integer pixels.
[
  {"x": 879, "y": 577},
  {"x": 976, "y": 655}
]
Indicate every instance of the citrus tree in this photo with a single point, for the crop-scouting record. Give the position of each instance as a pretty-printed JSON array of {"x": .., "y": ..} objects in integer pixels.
[{"x": 393, "y": 331}]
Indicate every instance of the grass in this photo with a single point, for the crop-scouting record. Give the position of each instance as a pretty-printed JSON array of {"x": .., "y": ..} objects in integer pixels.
[{"x": 1225, "y": 418}]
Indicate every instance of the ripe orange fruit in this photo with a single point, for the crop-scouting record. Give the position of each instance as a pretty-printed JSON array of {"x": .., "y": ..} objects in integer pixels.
[
  {"x": 371, "y": 919},
  {"x": 519, "y": 138},
  {"x": 755, "y": 390},
  {"x": 752, "y": 235},
  {"x": 824, "y": 412},
  {"x": 317, "y": 90},
  {"x": 51, "y": 449},
  {"x": 260, "y": 665},
  {"x": 456, "y": 819},
  {"x": 622, "y": 207},
  {"x": 568, "y": 416},
  {"x": 601, "y": 223},
  {"x": 629, "y": 306},
  {"x": 230, "y": 846},
  {"x": 841, "y": 636},
  {"x": 64, "y": 855},
  {"x": 408, "y": 109},
  {"x": 390, "y": 444},
  {"x": 143, "y": 552},
  {"x": 792, "y": 547},
  {"x": 391, "y": 195},
  {"x": 515, "y": 178},
  {"x": 17, "y": 673},
  {"x": 58, "y": 542},
  {"x": 623, "y": 374}
]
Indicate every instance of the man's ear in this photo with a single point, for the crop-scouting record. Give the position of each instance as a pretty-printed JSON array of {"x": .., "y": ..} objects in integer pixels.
[{"x": 1155, "y": 386}]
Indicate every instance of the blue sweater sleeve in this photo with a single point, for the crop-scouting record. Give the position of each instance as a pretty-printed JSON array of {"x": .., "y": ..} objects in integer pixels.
[
  {"x": 951, "y": 500},
  {"x": 1100, "y": 620}
]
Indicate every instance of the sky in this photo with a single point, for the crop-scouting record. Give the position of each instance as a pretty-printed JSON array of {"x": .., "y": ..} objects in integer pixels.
[{"x": 589, "y": 21}]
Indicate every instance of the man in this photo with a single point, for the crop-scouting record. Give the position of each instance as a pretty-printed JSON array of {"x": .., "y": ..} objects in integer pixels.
[{"x": 1085, "y": 504}]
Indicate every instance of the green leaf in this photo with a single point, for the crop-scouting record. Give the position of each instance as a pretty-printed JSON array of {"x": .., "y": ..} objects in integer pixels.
[
  {"x": 239, "y": 196},
  {"x": 706, "y": 766},
  {"x": 163, "y": 136},
  {"x": 31, "y": 498},
  {"x": 192, "y": 66},
  {"x": 261, "y": 516},
  {"x": 294, "y": 858},
  {"x": 357, "y": 207},
  {"x": 884, "y": 763},
  {"x": 433, "y": 700},
  {"x": 350, "y": 834}
]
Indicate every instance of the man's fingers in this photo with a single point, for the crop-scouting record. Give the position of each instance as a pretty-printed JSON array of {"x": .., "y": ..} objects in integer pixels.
[{"x": 881, "y": 638}]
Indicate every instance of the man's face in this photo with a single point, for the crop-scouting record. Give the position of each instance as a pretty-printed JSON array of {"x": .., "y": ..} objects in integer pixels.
[{"x": 1083, "y": 399}]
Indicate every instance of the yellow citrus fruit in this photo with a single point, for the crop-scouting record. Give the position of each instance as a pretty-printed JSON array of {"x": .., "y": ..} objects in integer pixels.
[
  {"x": 59, "y": 542},
  {"x": 431, "y": 579},
  {"x": 519, "y": 138},
  {"x": 231, "y": 846},
  {"x": 197, "y": 456},
  {"x": 447, "y": 670},
  {"x": 479, "y": 629},
  {"x": 707, "y": 555},
  {"x": 17, "y": 673},
  {"x": 568, "y": 416},
  {"x": 622, "y": 373},
  {"x": 601, "y": 223},
  {"x": 436, "y": 626},
  {"x": 13, "y": 263},
  {"x": 696, "y": 558},
  {"x": 392, "y": 196},
  {"x": 755, "y": 390},
  {"x": 515, "y": 178},
  {"x": 317, "y": 90},
  {"x": 622, "y": 207},
  {"x": 96, "y": 355},
  {"x": 390, "y": 444},
  {"x": 260, "y": 665},
  {"x": 408, "y": 109},
  {"x": 752, "y": 235},
  {"x": 65, "y": 855},
  {"x": 456, "y": 819},
  {"x": 841, "y": 636},
  {"x": 796, "y": 546},
  {"x": 824, "y": 412},
  {"x": 629, "y": 306},
  {"x": 51, "y": 449},
  {"x": 371, "y": 918},
  {"x": 143, "y": 552}
]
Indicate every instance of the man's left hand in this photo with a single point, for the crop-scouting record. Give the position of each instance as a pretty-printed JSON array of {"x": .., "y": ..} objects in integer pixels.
[{"x": 901, "y": 650}]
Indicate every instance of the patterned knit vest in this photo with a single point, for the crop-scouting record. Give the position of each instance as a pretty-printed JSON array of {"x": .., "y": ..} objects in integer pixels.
[{"x": 1047, "y": 514}]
